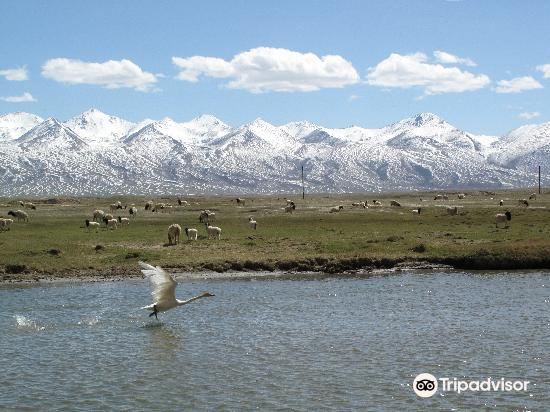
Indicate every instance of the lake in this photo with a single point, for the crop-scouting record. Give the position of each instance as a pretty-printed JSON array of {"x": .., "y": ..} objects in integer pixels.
[{"x": 332, "y": 344}]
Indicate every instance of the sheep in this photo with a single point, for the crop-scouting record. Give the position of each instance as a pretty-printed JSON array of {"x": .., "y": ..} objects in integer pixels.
[
  {"x": 174, "y": 233},
  {"x": 112, "y": 224},
  {"x": 501, "y": 203},
  {"x": 207, "y": 216},
  {"x": 523, "y": 202},
  {"x": 502, "y": 218},
  {"x": 29, "y": 205},
  {"x": 21, "y": 203},
  {"x": 115, "y": 206},
  {"x": 416, "y": 211},
  {"x": 395, "y": 203},
  {"x": 5, "y": 224},
  {"x": 452, "y": 211},
  {"x": 98, "y": 215},
  {"x": 336, "y": 209},
  {"x": 191, "y": 233},
  {"x": 213, "y": 231},
  {"x": 376, "y": 203},
  {"x": 123, "y": 220},
  {"x": 133, "y": 211},
  {"x": 240, "y": 201},
  {"x": 20, "y": 215},
  {"x": 461, "y": 195},
  {"x": 149, "y": 205},
  {"x": 252, "y": 223},
  {"x": 182, "y": 202},
  {"x": 289, "y": 208},
  {"x": 92, "y": 224},
  {"x": 359, "y": 204},
  {"x": 441, "y": 197},
  {"x": 533, "y": 196},
  {"x": 107, "y": 217}
]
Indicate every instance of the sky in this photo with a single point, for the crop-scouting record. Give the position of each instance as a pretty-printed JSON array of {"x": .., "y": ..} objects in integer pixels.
[{"x": 484, "y": 66}]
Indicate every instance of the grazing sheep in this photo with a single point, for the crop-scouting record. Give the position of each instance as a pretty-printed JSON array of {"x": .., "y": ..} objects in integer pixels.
[
  {"x": 395, "y": 203},
  {"x": 5, "y": 224},
  {"x": 523, "y": 202},
  {"x": 452, "y": 211},
  {"x": 417, "y": 211},
  {"x": 21, "y": 203},
  {"x": 182, "y": 202},
  {"x": 207, "y": 216},
  {"x": 92, "y": 224},
  {"x": 123, "y": 220},
  {"x": 112, "y": 224},
  {"x": 191, "y": 233},
  {"x": 533, "y": 196},
  {"x": 359, "y": 204},
  {"x": 107, "y": 217},
  {"x": 20, "y": 215},
  {"x": 336, "y": 209},
  {"x": 461, "y": 195},
  {"x": 289, "y": 208},
  {"x": 252, "y": 223},
  {"x": 29, "y": 205},
  {"x": 240, "y": 201},
  {"x": 174, "y": 233},
  {"x": 115, "y": 206},
  {"x": 441, "y": 197},
  {"x": 133, "y": 211},
  {"x": 376, "y": 203},
  {"x": 502, "y": 218},
  {"x": 501, "y": 203},
  {"x": 149, "y": 205},
  {"x": 213, "y": 231},
  {"x": 98, "y": 215}
]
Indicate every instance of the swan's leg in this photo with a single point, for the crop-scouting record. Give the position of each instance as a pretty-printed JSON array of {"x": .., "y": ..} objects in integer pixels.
[{"x": 155, "y": 311}]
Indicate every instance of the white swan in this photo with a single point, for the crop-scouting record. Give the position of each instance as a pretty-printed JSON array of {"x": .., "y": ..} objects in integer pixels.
[{"x": 164, "y": 290}]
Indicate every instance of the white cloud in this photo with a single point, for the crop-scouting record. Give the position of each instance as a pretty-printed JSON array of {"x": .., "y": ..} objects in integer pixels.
[
  {"x": 272, "y": 69},
  {"x": 25, "y": 97},
  {"x": 529, "y": 115},
  {"x": 406, "y": 71},
  {"x": 448, "y": 58},
  {"x": 18, "y": 74},
  {"x": 517, "y": 85},
  {"x": 112, "y": 74},
  {"x": 545, "y": 69}
]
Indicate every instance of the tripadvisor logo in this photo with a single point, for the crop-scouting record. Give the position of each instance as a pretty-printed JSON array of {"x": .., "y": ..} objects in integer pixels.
[{"x": 425, "y": 385}]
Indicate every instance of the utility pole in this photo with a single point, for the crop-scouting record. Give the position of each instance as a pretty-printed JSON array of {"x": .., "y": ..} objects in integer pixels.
[
  {"x": 303, "y": 188},
  {"x": 539, "y": 179}
]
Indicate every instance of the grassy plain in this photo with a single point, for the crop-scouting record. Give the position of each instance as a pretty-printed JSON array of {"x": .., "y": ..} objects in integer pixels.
[{"x": 56, "y": 242}]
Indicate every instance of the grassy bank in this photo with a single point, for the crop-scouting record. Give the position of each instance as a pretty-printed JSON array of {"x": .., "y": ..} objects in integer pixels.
[{"x": 55, "y": 240}]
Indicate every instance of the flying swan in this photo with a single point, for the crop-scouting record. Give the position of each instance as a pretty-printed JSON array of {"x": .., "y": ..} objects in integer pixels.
[{"x": 164, "y": 290}]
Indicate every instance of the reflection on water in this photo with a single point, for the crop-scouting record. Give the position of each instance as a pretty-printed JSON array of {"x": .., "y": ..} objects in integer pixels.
[{"x": 339, "y": 344}]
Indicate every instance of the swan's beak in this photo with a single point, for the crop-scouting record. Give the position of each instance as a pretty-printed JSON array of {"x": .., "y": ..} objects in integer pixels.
[{"x": 207, "y": 294}]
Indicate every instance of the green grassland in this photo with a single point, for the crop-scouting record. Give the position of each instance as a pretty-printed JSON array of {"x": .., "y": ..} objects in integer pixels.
[{"x": 56, "y": 241}]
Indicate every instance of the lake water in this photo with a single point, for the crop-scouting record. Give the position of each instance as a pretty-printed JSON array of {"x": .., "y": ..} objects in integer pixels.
[{"x": 335, "y": 344}]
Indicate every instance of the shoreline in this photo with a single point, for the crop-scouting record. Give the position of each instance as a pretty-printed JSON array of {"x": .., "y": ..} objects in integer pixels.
[{"x": 315, "y": 268}]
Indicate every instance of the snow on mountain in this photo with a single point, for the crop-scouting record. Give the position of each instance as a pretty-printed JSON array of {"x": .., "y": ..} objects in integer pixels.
[
  {"x": 95, "y": 153},
  {"x": 98, "y": 128},
  {"x": 14, "y": 125}
]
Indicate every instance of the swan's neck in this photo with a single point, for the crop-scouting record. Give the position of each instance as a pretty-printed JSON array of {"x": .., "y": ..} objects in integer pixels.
[{"x": 185, "y": 302}]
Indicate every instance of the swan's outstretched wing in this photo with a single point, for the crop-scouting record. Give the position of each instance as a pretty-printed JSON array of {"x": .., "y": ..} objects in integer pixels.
[{"x": 163, "y": 284}]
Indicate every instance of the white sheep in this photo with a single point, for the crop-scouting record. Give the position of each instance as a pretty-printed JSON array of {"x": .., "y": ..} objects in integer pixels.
[
  {"x": 115, "y": 206},
  {"x": 452, "y": 211},
  {"x": 5, "y": 224},
  {"x": 107, "y": 217},
  {"x": 92, "y": 224},
  {"x": 112, "y": 224},
  {"x": 174, "y": 233},
  {"x": 533, "y": 196},
  {"x": 441, "y": 197},
  {"x": 461, "y": 195},
  {"x": 336, "y": 209},
  {"x": 502, "y": 218},
  {"x": 123, "y": 220},
  {"x": 213, "y": 231},
  {"x": 192, "y": 234},
  {"x": 395, "y": 203},
  {"x": 359, "y": 204},
  {"x": 207, "y": 216},
  {"x": 252, "y": 223},
  {"x": 501, "y": 203},
  {"x": 240, "y": 201},
  {"x": 182, "y": 202},
  {"x": 133, "y": 211},
  {"x": 376, "y": 203},
  {"x": 149, "y": 205},
  {"x": 29, "y": 205},
  {"x": 20, "y": 215},
  {"x": 98, "y": 215},
  {"x": 289, "y": 208},
  {"x": 416, "y": 211}
]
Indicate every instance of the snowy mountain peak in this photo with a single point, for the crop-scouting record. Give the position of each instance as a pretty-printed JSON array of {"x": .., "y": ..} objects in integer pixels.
[
  {"x": 14, "y": 125},
  {"x": 50, "y": 135},
  {"x": 98, "y": 128}
]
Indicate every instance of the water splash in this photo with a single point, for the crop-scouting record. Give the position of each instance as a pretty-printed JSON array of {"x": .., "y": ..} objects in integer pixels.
[
  {"x": 91, "y": 321},
  {"x": 26, "y": 323}
]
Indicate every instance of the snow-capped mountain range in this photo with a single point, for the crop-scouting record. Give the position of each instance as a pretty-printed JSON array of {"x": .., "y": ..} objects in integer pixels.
[{"x": 98, "y": 154}]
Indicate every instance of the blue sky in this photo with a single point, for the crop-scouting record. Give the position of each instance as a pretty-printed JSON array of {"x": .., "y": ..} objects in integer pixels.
[{"x": 481, "y": 65}]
